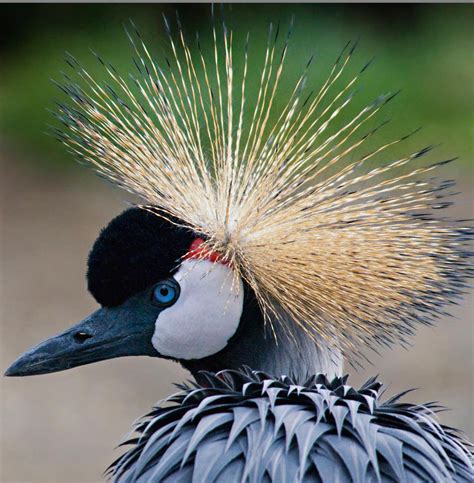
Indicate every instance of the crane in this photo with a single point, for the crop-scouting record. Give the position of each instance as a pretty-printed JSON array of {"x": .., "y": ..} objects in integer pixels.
[{"x": 268, "y": 248}]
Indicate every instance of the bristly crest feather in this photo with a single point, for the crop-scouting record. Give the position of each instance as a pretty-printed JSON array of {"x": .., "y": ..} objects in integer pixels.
[{"x": 348, "y": 251}]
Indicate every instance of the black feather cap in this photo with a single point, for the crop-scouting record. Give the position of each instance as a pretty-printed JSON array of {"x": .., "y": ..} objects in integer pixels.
[{"x": 135, "y": 250}]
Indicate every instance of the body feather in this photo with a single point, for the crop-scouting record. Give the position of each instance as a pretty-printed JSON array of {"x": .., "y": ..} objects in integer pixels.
[{"x": 249, "y": 426}]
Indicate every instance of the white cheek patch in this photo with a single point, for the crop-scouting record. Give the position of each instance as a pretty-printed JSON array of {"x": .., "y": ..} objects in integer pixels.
[{"x": 205, "y": 316}]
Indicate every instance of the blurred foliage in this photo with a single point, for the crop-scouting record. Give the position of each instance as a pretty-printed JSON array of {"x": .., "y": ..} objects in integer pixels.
[{"x": 424, "y": 50}]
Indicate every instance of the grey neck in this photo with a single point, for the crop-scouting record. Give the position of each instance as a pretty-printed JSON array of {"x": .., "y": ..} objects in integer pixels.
[
  {"x": 297, "y": 356},
  {"x": 256, "y": 346}
]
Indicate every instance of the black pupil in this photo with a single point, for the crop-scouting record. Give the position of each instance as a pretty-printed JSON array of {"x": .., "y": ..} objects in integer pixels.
[{"x": 164, "y": 291}]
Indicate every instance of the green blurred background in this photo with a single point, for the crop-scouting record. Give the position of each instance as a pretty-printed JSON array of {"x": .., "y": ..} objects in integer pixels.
[
  {"x": 424, "y": 50},
  {"x": 63, "y": 427}
]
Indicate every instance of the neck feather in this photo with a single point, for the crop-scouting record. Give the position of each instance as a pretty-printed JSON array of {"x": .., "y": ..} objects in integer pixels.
[{"x": 276, "y": 352}]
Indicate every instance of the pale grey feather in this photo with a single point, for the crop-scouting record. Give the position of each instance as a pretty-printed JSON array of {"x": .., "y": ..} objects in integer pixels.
[{"x": 247, "y": 426}]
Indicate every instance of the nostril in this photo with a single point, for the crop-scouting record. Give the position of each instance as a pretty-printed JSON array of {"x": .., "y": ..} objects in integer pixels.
[{"x": 81, "y": 337}]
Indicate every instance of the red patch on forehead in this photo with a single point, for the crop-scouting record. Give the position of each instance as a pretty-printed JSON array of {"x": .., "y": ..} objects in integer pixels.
[{"x": 199, "y": 252}]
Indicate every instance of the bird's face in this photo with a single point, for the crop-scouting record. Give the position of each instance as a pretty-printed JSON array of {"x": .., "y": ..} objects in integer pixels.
[{"x": 156, "y": 300}]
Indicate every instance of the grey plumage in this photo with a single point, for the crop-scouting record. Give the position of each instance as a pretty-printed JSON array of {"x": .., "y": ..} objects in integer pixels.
[{"x": 248, "y": 426}]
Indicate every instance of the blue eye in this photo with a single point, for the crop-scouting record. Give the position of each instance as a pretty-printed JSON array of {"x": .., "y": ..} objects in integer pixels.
[{"x": 166, "y": 293}]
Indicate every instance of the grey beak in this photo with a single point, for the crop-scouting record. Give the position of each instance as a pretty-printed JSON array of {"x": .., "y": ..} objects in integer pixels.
[{"x": 105, "y": 334}]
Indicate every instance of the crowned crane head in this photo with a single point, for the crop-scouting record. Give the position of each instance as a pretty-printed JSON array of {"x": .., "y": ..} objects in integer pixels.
[
  {"x": 266, "y": 237},
  {"x": 163, "y": 294}
]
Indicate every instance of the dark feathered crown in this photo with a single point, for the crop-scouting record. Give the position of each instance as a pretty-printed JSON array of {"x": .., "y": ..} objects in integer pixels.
[{"x": 136, "y": 250}]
